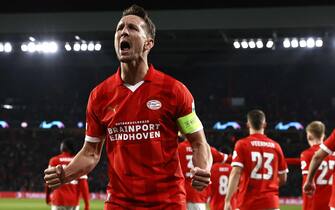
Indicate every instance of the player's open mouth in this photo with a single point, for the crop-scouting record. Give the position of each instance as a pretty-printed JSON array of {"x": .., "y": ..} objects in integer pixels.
[{"x": 124, "y": 46}]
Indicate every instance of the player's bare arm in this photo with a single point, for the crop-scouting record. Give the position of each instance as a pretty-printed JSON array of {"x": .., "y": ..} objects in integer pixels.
[
  {"x": 86, "y": 159},
  {"x": 282, "y": 179},
  {"x": 202, "y": 159},
  {"x": 234, "y": 179},
  {"x": 309, "y": 186}
]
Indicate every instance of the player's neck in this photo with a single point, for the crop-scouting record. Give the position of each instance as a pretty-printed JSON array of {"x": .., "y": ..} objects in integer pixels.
[
  {"x": 253, "y": 131},
  {"x": 315, "y": 142},
  {"x": 133, "y": 72}
]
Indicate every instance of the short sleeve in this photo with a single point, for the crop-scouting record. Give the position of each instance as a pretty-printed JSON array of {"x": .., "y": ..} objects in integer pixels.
[
  {"x": 329, "y": 145},
  {"x": 282, "y": 165},
  {"x": 187, "y": 120},
  {"x": 185, "y": 101},
  {"x": 94, "y": 129},
  {"x": 238, "y": 157},
  {"x": 218, "y": 157},
  {"x": 304, "y": 161}
]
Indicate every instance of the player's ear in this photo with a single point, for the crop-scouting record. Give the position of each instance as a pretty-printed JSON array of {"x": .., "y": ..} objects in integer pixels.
[
  {"x": 148, "y": 44},
  {"x": 265, "y": 125},
  {"x": 248, "y": 125}
]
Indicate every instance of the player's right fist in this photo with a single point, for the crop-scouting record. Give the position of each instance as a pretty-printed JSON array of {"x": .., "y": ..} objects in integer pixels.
[{"x": 54, "y": 176}]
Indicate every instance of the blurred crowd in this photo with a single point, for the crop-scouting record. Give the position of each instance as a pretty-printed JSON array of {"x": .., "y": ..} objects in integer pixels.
[{"x": 26, "y": 153}]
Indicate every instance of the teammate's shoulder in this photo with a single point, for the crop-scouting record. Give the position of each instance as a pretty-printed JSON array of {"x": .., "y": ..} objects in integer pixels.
[
  {"x": 54, "y": 160},
  {"x": 242, "y": 143}
]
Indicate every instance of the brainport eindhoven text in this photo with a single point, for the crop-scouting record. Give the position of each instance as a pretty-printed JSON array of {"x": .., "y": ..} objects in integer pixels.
[{"x": 130, "y": 131}]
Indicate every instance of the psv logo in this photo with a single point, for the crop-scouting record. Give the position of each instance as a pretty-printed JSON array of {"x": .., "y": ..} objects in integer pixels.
[{"x": 154, "y": 104}]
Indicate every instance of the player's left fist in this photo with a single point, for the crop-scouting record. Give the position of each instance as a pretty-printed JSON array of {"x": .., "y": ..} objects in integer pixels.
[{"x": 201, "y": 178}]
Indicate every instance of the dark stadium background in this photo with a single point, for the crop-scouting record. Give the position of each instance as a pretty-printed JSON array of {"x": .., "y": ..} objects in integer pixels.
[{"x": 288, "y": 84}]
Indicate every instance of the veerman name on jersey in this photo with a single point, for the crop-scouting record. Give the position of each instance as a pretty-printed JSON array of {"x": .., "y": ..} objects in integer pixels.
[{"x": 262, "y": 144}]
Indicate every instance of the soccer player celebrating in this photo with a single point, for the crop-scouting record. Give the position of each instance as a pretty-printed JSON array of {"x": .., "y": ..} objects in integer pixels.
[
  {"x": 218, "y": 188},
  {"x": 320, "y": 200},
  {"x": 259, "y": 168},
  {"x": 67, "y": 196},
  {"x": 138, "y": 112},
  {"x": 326, "y": 148},
  {"x": 196, "y": 200}
]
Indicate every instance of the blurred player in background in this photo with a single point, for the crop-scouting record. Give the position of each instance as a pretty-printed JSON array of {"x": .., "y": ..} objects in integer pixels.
[
  {"x": 320, "y": 200},
  {"x": 67, "y": 196},
  {"x": 259, "y": 168},
  {"x": 138, "y": 111},
  {"x": 218, "y": 188},
  {"x": 195, "y": 199},
  {"x": 326, "y": 149}
]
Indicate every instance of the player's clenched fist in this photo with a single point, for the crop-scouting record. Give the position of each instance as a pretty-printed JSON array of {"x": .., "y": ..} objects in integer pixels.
[
  {"x": 54, "y": 176},
  {"x": 200, "y": 178},
  {"x": 309, "y": 188}
]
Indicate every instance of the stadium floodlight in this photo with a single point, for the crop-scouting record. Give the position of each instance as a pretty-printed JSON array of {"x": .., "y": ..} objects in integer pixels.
[
  {"x": 97, "y": 46},
  {"x": 24, "y": 125},
  {"x": 90, "y": 46},
  {"x": 318, "y": 42},
  {"x": 302, "y": 43},
  {"x": 310, "y": 43},
  {"x": 83, "y": 47},
  {"x": 286, "y": 43},
  {"x": 24, "y": 47},
  {"x": 7, "y": 106},
  {"x": 49, "y": 47},
  {"x": 76, "y": 46},
  {"x": 1, "y": 47},
  {"x": 252, "y": 44},
  {"x": 32, "y": 39},
  {"x": 53, "y": 47},
  {"x": 269, "y": 43},
  {"x": 68, "y": 46},
  {"x": 31, "y": 47},
  {"x": 80, "y": 124},
  {"x": 77, "y": 37},
  {"x": 39, "y": 47},
  {"x": 259, "y": 43},
  {"x": 236, "y": 44},
  {"x": 294, "y": 43},
  {"x": 244, "y": 44},
  {"x": 8, "y": 47}
]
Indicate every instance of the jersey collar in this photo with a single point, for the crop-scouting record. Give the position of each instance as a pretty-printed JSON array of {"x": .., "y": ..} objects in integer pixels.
[
  {"x": 149, "y": 77},
  {"x": 257, "y": 135}
]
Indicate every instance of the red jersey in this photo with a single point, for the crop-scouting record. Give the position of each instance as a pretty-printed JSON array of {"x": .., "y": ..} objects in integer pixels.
[
  {"x": 323, "y": 176},
  {"x": 69, "y": 193},
  {"x": 262, "y": 160},
  {"x": 140, "y": 125},
  {"x": 186, "y": 155},
  {"x": 329, "y": 147},
  {"x": 218, "y": 189}
]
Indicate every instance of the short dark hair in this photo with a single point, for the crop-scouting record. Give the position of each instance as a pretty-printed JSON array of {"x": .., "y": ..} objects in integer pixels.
[
  {"x": 140, "y": 12},
  {"x": 68, "y": 145},
  {"x": 256, "y": 118}
]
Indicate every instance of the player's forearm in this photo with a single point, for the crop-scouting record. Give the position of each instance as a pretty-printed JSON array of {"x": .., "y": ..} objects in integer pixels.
[
  {"x": 84, "y": 162},
  {"x": 202, "y": 156},
  {"x": 233, "y": 183},
  {"x": 315, "y": 163},
  {"x": 282, "y": 179}
]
